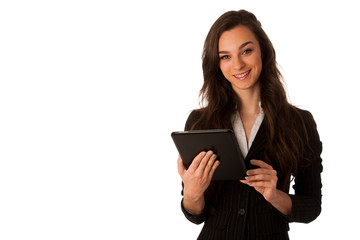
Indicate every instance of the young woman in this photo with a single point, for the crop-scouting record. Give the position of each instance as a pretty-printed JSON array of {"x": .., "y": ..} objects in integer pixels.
[{"x": 242, "y": 91}]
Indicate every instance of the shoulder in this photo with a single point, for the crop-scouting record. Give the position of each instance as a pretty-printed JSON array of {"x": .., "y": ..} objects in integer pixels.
[
  {"x": 302, "y": 116},
  {"x": 193, "y": 117},
  {"x": 306, "y": 121}
]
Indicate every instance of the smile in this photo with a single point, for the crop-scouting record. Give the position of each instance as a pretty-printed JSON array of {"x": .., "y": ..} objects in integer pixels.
[{"x": 242, "y": 75}]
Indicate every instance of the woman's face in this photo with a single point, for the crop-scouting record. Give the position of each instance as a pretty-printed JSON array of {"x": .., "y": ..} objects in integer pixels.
[{"x": 240, "y": 58}]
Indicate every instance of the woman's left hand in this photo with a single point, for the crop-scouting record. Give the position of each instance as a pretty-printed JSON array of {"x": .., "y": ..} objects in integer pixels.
[{"x": 263, "y": 179}]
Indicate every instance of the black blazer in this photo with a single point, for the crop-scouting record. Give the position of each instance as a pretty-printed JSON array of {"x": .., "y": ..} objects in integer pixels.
[{"x": 243, "y": 213}]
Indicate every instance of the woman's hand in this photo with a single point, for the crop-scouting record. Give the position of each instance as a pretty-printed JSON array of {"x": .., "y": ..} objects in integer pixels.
[
  {"x": 197, "y": 179},
  {"x": 198, "y": 176},
  {"x": 263, "y": 179}
]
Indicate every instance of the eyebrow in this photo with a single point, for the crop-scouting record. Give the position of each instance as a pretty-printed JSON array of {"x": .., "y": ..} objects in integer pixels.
[{"x": 242, "y": 45}]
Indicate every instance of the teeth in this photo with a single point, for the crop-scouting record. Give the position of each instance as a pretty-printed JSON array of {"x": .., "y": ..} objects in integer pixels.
[{"x": 242, "y": 75}]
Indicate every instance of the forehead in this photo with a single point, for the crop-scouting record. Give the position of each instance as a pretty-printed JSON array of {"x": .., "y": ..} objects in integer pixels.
[{"x": 235, "y": 37}]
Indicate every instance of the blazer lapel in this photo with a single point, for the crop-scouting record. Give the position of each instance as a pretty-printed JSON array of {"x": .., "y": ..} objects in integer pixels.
[{"x": 258, "y": 143}]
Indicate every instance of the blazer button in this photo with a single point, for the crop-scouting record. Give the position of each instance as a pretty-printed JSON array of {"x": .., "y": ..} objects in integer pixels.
[{"x": 241, "y": 212}]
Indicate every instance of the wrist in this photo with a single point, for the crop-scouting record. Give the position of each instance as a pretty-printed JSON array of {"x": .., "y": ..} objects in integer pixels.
[
  {"x": 192, "y": 196},
  {"x": 274, "y": 200},
  {"x": 282, "y": 202},
  {"x": 194, "y": 206},
  {"x": 193, "y": 200}
]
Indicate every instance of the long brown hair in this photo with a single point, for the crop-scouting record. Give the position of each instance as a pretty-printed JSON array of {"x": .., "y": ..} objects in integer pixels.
[{"x": 285, "y": 139}]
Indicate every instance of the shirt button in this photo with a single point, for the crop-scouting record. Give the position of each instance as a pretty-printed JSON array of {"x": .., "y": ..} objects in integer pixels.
[{"x": 241, "y": 212}]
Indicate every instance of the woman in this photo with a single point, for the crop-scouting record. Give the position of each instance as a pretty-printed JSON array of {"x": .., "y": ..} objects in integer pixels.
[{"x": 243, "y": 91}]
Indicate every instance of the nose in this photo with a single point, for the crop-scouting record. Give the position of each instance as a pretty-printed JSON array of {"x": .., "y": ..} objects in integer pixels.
[{"x": 238, "y": 63}]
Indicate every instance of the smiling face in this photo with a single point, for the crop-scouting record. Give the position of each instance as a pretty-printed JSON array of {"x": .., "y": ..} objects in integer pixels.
[{"x": 240, "y": 58}]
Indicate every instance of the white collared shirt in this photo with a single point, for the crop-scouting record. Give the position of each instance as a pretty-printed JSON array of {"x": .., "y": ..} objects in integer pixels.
[{"x": 240, "y": 131}]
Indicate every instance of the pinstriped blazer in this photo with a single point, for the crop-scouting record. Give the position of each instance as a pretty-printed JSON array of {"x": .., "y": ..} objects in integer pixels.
[{"x": 243, "y": 213}]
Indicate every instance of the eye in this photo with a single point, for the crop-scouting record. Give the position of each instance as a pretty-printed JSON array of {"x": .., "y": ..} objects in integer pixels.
[
  {"x": 247, "y": 51},
  {"x": 224, "y": 57}
]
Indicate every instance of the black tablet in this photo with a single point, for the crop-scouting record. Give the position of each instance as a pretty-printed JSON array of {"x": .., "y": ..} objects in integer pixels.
[{"x": 224, "y": 144}]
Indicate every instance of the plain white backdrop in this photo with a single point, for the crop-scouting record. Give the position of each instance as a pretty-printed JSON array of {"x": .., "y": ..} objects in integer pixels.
[{"x": 91, "y": 90}]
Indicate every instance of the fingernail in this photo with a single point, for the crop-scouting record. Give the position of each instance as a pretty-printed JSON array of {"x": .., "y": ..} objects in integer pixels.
[
  {"x": 217, "y": 162},
  {"x": 210, "y": 153},
  {"x": 247, "y": 178},
  {"x": 252, "y": 161},
  {"x": 249, "y": 184},
  {"x": 213, "y": 156},
  {"x": 203, "y": 153},
  {"x": 248, "y": 172}
]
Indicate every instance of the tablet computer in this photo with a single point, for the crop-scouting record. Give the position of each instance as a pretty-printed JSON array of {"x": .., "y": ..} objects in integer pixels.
[{"x": 224, "y": 144}]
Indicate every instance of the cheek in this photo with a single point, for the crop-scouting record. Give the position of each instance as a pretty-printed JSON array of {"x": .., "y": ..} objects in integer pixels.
[
  {"x": 259, "y": 60},
  {"x": 224, "y": 67},
  {"x": 257, "y": 63}
]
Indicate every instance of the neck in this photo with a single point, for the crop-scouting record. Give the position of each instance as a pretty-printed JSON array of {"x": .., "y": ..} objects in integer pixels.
[{"x": 249, "y": 101}]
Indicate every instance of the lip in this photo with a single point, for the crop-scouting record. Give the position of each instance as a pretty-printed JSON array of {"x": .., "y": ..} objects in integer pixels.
[{"x": 243, "y": 75}]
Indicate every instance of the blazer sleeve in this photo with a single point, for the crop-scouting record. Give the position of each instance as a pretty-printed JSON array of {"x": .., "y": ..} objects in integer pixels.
[
  {"x": 197, "y": 219},
  {"x": 306, "y": 202}
]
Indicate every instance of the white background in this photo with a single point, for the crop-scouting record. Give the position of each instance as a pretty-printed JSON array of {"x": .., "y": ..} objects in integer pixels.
[{"x": 91, "y": 90}]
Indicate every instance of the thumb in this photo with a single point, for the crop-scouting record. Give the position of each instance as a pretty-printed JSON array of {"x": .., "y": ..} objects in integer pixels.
[{"x": 181, "y": 167}]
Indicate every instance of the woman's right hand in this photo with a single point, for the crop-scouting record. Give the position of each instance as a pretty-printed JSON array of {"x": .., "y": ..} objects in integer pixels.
[{"x": 197, "y": 177}]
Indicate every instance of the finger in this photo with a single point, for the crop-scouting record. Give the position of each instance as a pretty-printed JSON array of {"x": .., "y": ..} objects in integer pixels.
[
  {"x": 261, "y": 177},
  {"x": 244, "y": 181},
  {"x": 195, "y": 163},
  {"x": 262, "y": 180},
  {"x": 213, "y": 168},
  {"x": 264, "y": 184},
  {"x": 260, "y": 163},
  {"x": 204, "y": 162},
  {"x": 259, "y": 171},
  {"x": 210, "y": 164},
  {"x": 181, "y": 167}
]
